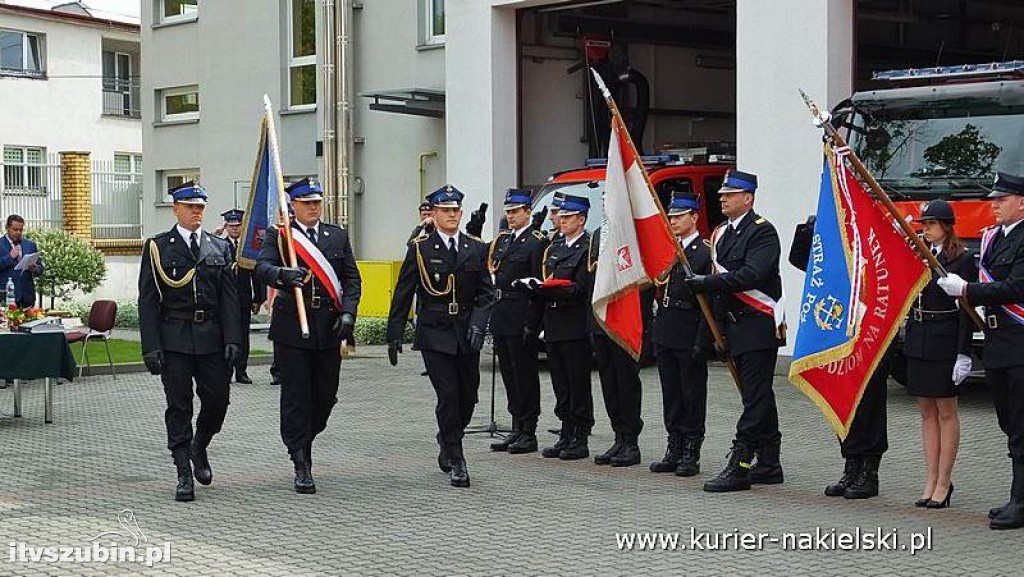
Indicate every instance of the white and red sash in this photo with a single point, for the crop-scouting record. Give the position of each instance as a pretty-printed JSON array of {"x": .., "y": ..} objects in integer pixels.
[
  {"x": 759, "y": 301},
  {"x": 317, "y": 263},
  {"x": 1016, "y": 310}
]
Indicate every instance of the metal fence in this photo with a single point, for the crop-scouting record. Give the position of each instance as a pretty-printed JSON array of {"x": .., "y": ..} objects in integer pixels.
[
  {"x": 116, "y": 202},
  {"x": 121, "y": 98},
  {"x": 30, "y": 188}
]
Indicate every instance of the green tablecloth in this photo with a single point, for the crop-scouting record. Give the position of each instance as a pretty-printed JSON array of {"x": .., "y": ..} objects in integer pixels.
[{"x": 39, "y": 356}]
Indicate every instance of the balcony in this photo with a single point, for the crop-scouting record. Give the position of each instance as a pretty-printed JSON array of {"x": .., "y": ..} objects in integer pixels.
[{"x": 121, "y": 98}]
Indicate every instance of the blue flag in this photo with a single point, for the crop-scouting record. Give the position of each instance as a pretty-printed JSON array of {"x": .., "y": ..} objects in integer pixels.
[{"x": 263, "y": 202}]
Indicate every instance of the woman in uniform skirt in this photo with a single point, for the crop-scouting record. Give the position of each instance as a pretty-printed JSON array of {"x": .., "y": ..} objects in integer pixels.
[{"x": 938, "y": 351}]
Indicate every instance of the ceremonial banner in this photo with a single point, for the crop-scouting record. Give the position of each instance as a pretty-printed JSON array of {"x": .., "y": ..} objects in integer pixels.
[
  {"x": 262, "y": 207},
  {"x": 636, "y": 244},
  {"x": 862, "y": 278}
]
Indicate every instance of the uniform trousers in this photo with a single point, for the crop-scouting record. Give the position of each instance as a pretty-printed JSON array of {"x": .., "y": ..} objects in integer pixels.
[
  {"x": 211, "y": 375},
  {"x": 456, "y": 382},
  {"x": 868, "y": 435},
  {"x": 242, "y": 362},
  {"x": 570, "y": 364},
  {"x": 519, "y": 373},
  {"x": 684, "y": 391},
  {"x": 758, "y": 425},
  {"x": 309, "y": 391},
  {"x": 1006, "y": 386},
  {"x": 620, "y": 385}
]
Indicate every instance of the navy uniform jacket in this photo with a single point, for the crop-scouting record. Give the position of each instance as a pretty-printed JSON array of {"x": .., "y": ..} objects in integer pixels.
[
  {"x": 250, "y": 291},
  {"x": 937, "y": 330},
  {"x": 680, "y": 324},
  {"x": 442, "y": 320},
  {"x": 568, "y": 316},
  {"x": 1004, "y": 345},
  {"x": 212, "y": 291},
  {"x": 510, "y": 259},
  {"x": 24, "y": 281},
  {"x": 321, "y": 312},
  {"x": 751, "y": 255}
]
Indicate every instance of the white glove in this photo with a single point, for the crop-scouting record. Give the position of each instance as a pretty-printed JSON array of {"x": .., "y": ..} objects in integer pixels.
[
  {"x": 961, "y": 369},
  {"x": 952, "y": 284},
  {"x": 529, "y": 283}
]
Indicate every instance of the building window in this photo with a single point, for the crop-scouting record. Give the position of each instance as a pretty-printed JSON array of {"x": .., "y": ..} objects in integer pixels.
[
  {"x": 127, "y": 166},
  {"x": 21, "y": 53},
  {"x": 180, "y": 104},
  {"x": 172, "y": 179},
  {"x": 302, "y": 54},
  {"x": 433, "y": 23},
  {"x": 23, "y": 168},
  {"x": 120, "y": 86},
  {"x": 178, "y": 10}
]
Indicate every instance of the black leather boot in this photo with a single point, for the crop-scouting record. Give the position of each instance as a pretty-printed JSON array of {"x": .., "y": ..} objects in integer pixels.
[
  {"x": 200, "y": 460},
  {"x": 1012, "y": 515},
  {"x": 243, "y": 378},
  {"x": 767, "y": 470},
  {"x": 577, "y": 448},
  {"x": 689, "y": 463},
  {"x": 503, "y": 445},
  {"x": 850, "y": 472},
  {"x": 630, "y": 453},
  {"x": 607, "y": 456},
  {"x": 186, "y": 489},
  {"x": 736, "y": 475},
  {"x": 304, "y": 483},
  {"x": 563, "y": 439},
  {"x": 460, "y": 474},
  {"x": 673, "y": 455},
  {"x": 865, "y": 485},
  {"x": 526, "y": 443}
]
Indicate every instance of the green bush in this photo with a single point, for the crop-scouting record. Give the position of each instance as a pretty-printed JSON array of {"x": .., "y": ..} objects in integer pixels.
[
  {"x": 71, "y": 264},
  {"x": 373, "y": 331},
  {"x": 127, "y": 313}
]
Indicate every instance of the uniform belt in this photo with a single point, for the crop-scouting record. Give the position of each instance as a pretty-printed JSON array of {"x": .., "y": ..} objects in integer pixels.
[
  {"x": 997, "y": 318},
  {"x": 196, "y": 316},
  {"x": 921, "y": 315},
  {"x": 449, "y": 308},
  {"x": 677, "y": 303},
  {"x": 734, "y": 315},
  {"x": 562, "y": 304},
  {"x": 507, "y": 294}
]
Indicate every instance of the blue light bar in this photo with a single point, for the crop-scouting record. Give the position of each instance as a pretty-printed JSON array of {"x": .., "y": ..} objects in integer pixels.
[
  {"x": 966, "y": 71},
  {"x": 654, "y": 159}
]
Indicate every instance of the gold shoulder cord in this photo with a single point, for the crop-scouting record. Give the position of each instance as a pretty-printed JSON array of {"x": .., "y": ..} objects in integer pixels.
[
  {"x": 284, "y": 261},
  {"x": 158, "y": 271},
  {"x": 491, "y": 267},
  {"x": 544, "y": 263},
  {"x": 425, "y": 278},
  {"x": 591, "y": 264}
]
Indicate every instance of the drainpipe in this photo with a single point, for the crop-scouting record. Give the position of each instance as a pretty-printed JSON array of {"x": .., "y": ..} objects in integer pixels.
[
  {"x": 343, "y": 111},
  {"x": 328, "y": 136},
  {"x": 423, "y": 172}
]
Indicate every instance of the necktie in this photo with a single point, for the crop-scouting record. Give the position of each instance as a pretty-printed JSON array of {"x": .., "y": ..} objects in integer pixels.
[
  {"x": 452, "y": 253},
  {"x": 311, "y": 233},
  {"x": 193, "y": 245},
  {"x": 935, "y": 251}
]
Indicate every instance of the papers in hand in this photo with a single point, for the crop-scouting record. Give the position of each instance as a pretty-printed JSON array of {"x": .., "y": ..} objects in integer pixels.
[
  {"x": 27, "y": 261},
  {"x": 528, "y": 283}
]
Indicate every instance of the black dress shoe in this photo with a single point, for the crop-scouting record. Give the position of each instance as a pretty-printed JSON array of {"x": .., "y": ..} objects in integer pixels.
[
  {"x": 443, "y": 462},
  {"x": 201, "y": 462},
  {"x": 186, "y": 489},
  {"x": 304, "y": 483},
  {"x": 459, "y": 474},
  {"x": 243, "y": 379}
]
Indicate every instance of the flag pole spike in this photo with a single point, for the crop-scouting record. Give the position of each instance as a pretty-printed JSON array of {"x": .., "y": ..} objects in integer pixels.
[{"x": 837, "y": 141}]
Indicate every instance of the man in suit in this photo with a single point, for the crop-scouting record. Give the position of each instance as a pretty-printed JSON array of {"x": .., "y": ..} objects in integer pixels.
[
  {"x": 682, "y": 342},
  {"x": 331, "y": 288},
  {"x": 188, "y": 320},
  {"x": 745, "y": 254},
  {"x": 251, "y": 293},
  {"x": 1001, "y": 292},
  {"x": 14, "y": 247},
  {"x": 566, "y": 292},
  {"x": 447, "y": 273},
  {"x": 515, "y": 254}
]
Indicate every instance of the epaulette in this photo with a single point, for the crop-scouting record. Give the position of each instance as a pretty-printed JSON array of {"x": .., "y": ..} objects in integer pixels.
[
  {"x": 707, "y": 242},
  {"x": 760, "y": 221},
  {"x": 476, "y": 238},
  {"x": 539, "y": 235},
  {"x": 161, "y": 235}
]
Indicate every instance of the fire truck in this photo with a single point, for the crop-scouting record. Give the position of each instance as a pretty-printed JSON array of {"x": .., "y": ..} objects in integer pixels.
[{"x": 941, "y": 132}]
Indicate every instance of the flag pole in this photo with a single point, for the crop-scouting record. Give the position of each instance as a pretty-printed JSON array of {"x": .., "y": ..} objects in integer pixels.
[
  {"x": 862, "y": 171},
  {"x": 705, "y": 307},
  {"x": 284, "y": 227}
]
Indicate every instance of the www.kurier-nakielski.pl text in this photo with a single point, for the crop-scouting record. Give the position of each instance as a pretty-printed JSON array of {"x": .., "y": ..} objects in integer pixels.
[{"x": 817, "y": 539}]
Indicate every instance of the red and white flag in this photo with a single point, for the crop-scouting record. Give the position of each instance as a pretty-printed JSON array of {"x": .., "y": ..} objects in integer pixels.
[{"x": 636, "y": 244}]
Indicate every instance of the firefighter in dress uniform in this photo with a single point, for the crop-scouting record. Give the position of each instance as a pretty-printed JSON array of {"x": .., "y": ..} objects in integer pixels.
[
  {"x": 447, "y": 273},
  {"x": 309, "y": 367},
  {"x": 748, "y": 290},
  {"x": 682, "y": 341},
  {"x": 566, "y": 293},
  {"x": 189, "y": 324},
  {"x": 1001, "y": 291},
  {"x": 251, "y": 293},
  {"x": 515, "y": 254}
]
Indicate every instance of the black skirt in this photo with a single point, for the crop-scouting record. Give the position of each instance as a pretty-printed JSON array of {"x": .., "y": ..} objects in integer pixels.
[{"x": 932, "y": 379}]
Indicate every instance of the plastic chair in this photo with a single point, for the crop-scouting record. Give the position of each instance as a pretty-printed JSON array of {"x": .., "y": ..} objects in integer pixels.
[{"x": 101, "y": 322}]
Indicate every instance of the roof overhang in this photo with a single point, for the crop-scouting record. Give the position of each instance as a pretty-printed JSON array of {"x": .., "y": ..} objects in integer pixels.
[{"x": 414, "y": 101}]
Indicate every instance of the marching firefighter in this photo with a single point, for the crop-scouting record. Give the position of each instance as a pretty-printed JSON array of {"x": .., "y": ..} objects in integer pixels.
[
  {"x": 190, "y": 329},
  {"x": 682, "y": 342},
  {"x": 251, "y": 293},
  {"x": 565, "y": 293},
  {"x": 447, "y": 273},
  {"x": 331, "y": 288},
  {"x": 745, "y": 253},
  {"x": 1001, "y": 291},
  {"x": 517, "y": 253}
]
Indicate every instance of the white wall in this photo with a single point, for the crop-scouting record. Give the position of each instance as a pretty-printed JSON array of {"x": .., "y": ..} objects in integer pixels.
[
  {"x": 776, "y": 55},
  {"x": 64, "y": 112}
]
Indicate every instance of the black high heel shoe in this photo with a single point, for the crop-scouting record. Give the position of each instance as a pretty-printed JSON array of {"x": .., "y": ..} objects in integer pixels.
[
  {"x": 932, "y": 504},
  {"x": 923, "y": 502}
]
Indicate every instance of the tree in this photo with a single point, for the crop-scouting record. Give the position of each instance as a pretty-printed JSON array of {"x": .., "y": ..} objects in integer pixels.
[
  {"x": 71, "y": 264},
  {"x": 966, "y": 153}
]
